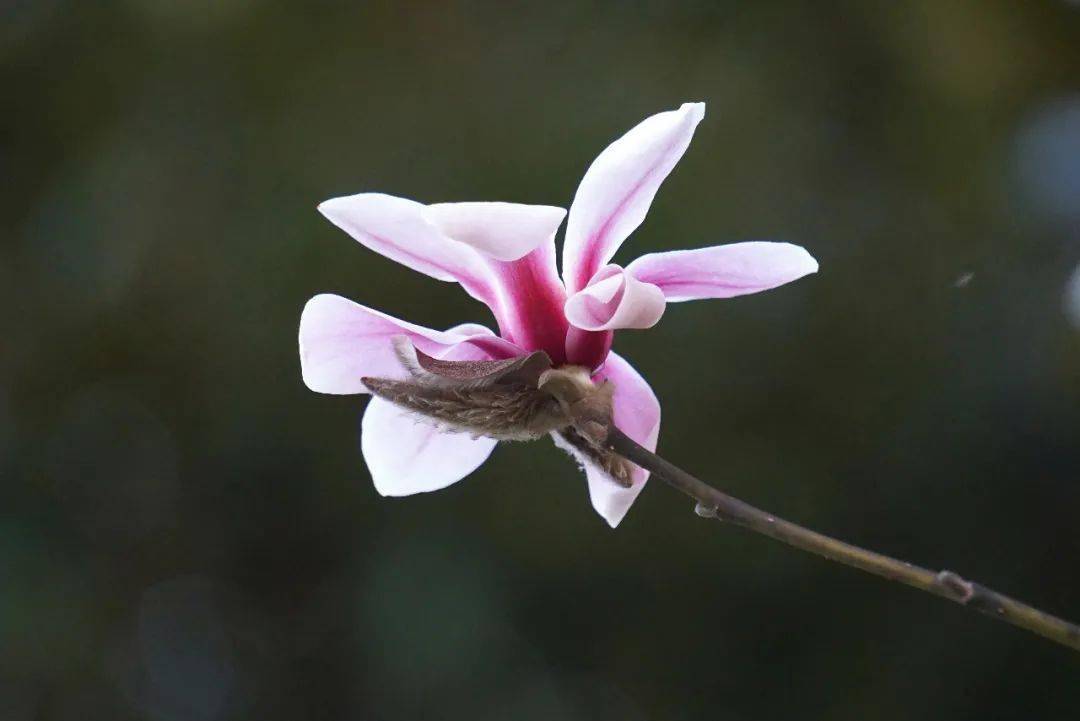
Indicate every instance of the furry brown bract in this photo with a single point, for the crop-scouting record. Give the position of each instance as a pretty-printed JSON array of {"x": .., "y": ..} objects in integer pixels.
[
  {"x": 517, "y": 399},
  {"x": 513, "y": 412}
]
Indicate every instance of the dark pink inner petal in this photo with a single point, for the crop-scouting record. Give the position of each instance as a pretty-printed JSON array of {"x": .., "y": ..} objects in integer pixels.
[
  {"x": 529, "y": 303},
  {"x": 588, "y": 348}
]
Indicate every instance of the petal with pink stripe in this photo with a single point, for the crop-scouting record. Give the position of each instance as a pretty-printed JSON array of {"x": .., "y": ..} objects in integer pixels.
[
  {"x": 723, "y": 271},
  {"x": 618, "y": 188},
  {"x": 517, "y": 243}
]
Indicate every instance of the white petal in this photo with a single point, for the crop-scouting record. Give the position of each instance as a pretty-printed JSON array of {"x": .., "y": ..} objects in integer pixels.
[
  {"x": 618, "y": 188},
  {"x": 406, "y": 456},
  {"x": 503, "y": 231}
]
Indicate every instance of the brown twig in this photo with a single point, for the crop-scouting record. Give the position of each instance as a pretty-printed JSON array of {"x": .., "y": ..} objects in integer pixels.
[{"x": 712, "y": 503}]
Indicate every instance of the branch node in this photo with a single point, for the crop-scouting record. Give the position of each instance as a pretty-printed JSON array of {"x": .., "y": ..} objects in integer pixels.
[
  {"x": 705, "y": 511},
  {"x": 957, "y": 586}
]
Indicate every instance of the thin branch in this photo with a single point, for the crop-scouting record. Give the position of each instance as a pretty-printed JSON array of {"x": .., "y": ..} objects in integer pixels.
[{"x": 712, "y": 503}]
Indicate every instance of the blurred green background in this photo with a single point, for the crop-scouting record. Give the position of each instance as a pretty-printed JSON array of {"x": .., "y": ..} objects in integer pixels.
[{"x": 187, "y": 532}]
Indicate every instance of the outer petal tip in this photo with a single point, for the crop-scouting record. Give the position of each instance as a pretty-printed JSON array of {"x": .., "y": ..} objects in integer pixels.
[
  {"x": 695, "y": 110},
  {"x": 795, "y": 259},
  {"x": 637, "y": 413},
  {"x": 799, "y": 262},
  {"x": 611, "y": 501},
  {"x": 321, "y": 317},
  {"x": 335, "y": 209},
  {"x": 332, "y": 210},
  {"x": 810, "y": 262}
]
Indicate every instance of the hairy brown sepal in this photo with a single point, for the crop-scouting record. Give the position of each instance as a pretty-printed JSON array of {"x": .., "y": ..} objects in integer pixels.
[
  {"x": 524, "y": 370},
  {"x": 510, "y": 412},
  {"x": 515, "y": 399}
]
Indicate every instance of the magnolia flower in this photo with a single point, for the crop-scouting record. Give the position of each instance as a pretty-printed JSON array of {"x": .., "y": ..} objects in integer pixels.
[{"x": 503, "y": 254}]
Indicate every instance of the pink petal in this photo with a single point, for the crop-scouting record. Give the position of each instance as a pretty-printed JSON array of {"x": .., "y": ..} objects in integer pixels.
[
  {"x": 588, "y": 348},
  {"x": 530, "y": 299},
  {"x": 614, "y": 300},
  {"x": 518, "y": 245},
  {"x": 637, "y": 414},
  {"x": 398, "y": 229},
  {"x": 342, "y": 341},
  {"x": 504, "y": 231},
  {"x": 406, "y": 456},
  {"x": 723, "y": 271},
  {"x": 619, "y": 187},
  {"x": 503, "y": 254}
]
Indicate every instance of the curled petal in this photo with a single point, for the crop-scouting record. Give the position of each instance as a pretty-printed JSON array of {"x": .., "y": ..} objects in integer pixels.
[
  {"x": 723, "y": 271},
  {"x": 619, "y": 187},
  {"x": 341, "y": 342},
  {"x": 637, "y": 414},
  {"x": 406, "y": 456},
  {"x": 503, "y": 231},
  {"x": 613, "y": 300}
]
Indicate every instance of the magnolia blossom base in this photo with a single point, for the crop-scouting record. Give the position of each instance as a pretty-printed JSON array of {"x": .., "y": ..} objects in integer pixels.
[{"x": 504, "y": 255}]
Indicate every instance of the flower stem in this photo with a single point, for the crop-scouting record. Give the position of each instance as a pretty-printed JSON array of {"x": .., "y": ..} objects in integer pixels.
[{"x": 712, "y": 503}]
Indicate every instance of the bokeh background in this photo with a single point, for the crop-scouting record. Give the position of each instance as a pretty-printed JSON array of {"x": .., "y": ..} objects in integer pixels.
[{"x": 188, "y": 533}]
